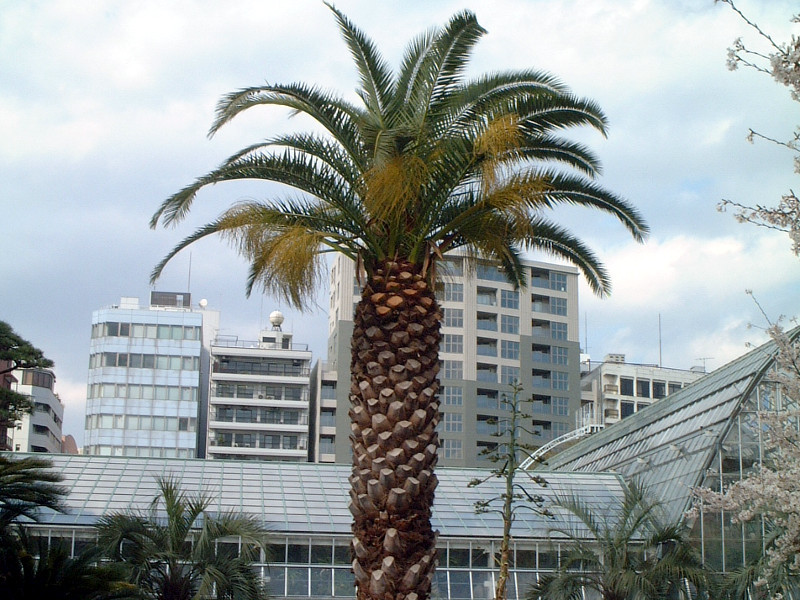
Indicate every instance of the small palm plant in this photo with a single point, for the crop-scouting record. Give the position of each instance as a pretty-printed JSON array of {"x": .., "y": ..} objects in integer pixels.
[
  {"x": 176, "y": 557},
  {"x": 622, "y": 552}
]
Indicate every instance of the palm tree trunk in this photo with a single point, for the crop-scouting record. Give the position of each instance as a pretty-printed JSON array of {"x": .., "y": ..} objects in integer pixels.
[{"x": 394, "y": 412}]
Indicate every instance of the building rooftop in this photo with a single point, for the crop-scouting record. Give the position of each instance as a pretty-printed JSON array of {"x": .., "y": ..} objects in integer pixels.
[{"x": 299, "y": 498}]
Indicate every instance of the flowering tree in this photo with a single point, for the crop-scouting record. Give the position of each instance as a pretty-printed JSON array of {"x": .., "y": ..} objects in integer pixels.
[
  {"x": 772, "y": 490},
  {"x": 782, "y": 62}
]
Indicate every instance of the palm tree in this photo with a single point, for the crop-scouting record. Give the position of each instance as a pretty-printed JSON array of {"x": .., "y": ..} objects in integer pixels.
[
  {"x": 176, "y": 557},
  {"x": 427, "y": 163},
  {"x": 626, "y": 553},
  {"x": 26, "y": 486},
  {"x": 42, "y": 571}
]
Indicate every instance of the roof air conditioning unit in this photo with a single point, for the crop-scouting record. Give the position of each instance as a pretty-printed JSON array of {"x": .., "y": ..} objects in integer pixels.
[{"x": 261, "y": 396}]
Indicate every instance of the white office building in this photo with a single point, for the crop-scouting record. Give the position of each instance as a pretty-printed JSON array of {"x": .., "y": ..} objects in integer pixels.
[
  {"x": 148, "y": 377},
  {"x": 615, "y": 389},
  {"x": 39, "y": 431},
  {"x": 259, "y": 401},
  {"x": 492, "y": 335}
]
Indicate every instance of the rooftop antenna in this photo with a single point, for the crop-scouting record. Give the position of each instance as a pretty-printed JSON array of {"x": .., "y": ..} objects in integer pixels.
[
  {"x": 585, "y": 332},
  {"x": 704, "y": 359},
  {"x": 189, "y": 282},
  {"x": 659, "y": 339}
]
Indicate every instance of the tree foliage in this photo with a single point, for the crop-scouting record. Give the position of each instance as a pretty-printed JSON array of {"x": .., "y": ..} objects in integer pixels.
[
  {"x": 781, "y": 61},
  {"x": 772, "y": 490},
  {"x": 19, "y": 352},
  {"x": 176, "y": 556},
  {"x": 623, "y": 552}
]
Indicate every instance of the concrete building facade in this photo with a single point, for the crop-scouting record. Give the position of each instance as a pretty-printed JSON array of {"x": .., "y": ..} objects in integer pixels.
[
  {"x": 148, "y": 377},
  {"x": 259, "y": 399},
  {"x": 615, "y": 389},
  {"x": 492, "y": 335},
  {"x": 39, "y": 431}
]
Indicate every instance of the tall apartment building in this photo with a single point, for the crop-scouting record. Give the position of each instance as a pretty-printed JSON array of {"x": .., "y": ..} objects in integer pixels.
[
  {"x": 148, "y": 377},
  {"x": 39, "y": 431},
  {"x": 615, "y": 389},
  {"x": 492, "y": 335},
  {"x": 259, "y": 401}
]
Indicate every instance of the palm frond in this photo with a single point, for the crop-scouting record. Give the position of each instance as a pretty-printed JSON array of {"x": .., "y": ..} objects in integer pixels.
[{"x": 375, "y": 75}]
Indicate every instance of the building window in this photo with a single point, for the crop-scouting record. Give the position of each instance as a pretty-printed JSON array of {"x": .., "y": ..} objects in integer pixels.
[
  {"x": 643, "y": 388},
  {"x": 509, "y": 324},
  {"x": 487, "y": 399},
  {"x": 659, "y": 389},
  {"x": 451, "y": 449},
  {"x": 674, "y": 387},
  {"x": 490, "y": 272},
  {"x": 559, "y": 355},
  {"x": 453, "y": 267},
  {"x": 487, "y": 322},
  {"x": 560, "y": 380},
  {"x": 452, "y": 395},
  {"x": 486, "y": 296},
  {"x": 486, "y": 347},
  {"x": 626, "y": 386},
  {"x": 453, "y": 292},
  {"x": 560, "y": 406},
  {"x": 626, "y": 409},
  {"x": 453, "y": 423},
  {"x": 559, "y": 429},
  {"x": 452, "y": 342},
  {"x": 558, "y": 306},
  {"x": 558, "y": 331},
  {"x": 558, "y": 281},
  {"x": 453, "y": 317},
  {"x": 509, "y": 299},
  {"x": 452, "y": 369},
  {"x": 509, "y": 375},
  {"x": 509, "y": 349},
  {"x": 327, "y": 417},
  {"x": 326, "y": 445},
  {"x": 542, "y": 405}
]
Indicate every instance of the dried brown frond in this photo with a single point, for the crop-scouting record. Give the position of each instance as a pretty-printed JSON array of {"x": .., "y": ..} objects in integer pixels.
[{"x": 393, "y": 187}]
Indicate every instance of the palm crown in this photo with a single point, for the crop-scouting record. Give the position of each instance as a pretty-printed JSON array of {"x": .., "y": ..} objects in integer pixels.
[{"x": 428, "y": 163}]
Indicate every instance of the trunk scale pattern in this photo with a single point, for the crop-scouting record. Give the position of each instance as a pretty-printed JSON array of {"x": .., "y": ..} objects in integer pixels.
[{"x": 394, "y": 412}]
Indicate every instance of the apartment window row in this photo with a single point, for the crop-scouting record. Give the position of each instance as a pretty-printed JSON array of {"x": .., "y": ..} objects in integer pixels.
[
  {"x": 551, "y": 329},
  {"x": 550, "y": 405},
  {"x": 144, "y": 361},
  {"x": 256, "y": 366},
  {"x": 645, "y": 388},
  {"x": 554, "y": 355},
  {"x": 141, "y": 451},
  {"x": 46, "y": 408},
  {"x": 295, "y": 393},
  {"x": 551, "y": 280},
  {"x": 40, "y": 379},
  {"x": 146, "y": 392},
  {"x": 260, "y": 440},
  {"x": 141, "y": 422},
  {"x": 45, "y": 431},
  {"x": 153, "y": 332},
  {"x": 549, "y": 430},
  {"x": 246, "y": 414},
  {"x": 556, "y": 380}
]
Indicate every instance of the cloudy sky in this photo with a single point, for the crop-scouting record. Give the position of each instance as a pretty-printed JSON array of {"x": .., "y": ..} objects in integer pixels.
[{"x": 104, "y": 108}]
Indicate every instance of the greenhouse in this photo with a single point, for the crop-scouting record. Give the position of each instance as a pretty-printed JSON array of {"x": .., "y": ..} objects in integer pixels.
[{"x": 706, "y": 434}]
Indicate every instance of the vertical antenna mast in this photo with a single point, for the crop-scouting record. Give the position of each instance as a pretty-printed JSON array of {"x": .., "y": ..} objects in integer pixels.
[{"x": 659, "y": 339}]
